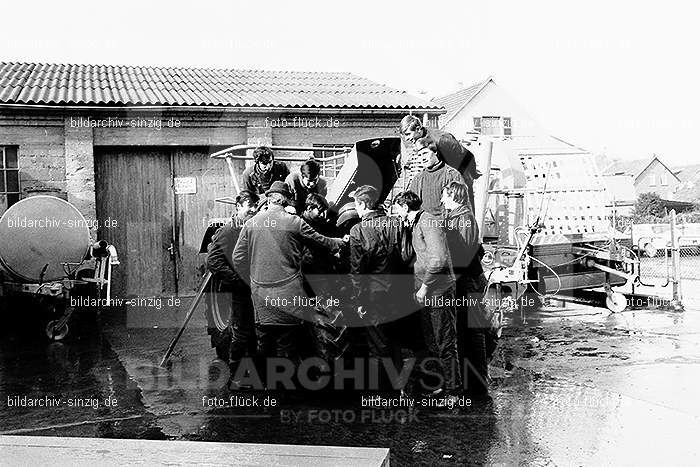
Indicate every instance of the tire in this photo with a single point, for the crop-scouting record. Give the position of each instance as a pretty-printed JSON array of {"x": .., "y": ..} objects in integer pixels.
[{"x": 218, "y": 314}]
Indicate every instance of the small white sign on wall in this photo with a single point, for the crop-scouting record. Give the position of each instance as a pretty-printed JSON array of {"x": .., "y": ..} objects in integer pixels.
[{"x": 185, "y": 185}]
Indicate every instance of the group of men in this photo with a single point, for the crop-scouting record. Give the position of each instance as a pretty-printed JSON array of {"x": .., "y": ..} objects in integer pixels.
[{"x": 276, "y": 255}]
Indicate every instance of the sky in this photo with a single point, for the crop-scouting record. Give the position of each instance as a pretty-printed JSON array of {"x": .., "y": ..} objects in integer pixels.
[{"x": 615, "y": 77}]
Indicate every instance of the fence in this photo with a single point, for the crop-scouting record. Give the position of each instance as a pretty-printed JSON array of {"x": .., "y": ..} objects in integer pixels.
[{"x": 669, "y": 255}]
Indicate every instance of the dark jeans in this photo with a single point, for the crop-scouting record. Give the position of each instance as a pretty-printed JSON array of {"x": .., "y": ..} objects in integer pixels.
[
  {"x": 471, "y": 337},
  {"x": 243, "y": 342},
  {"x": 444, "y": 324}
]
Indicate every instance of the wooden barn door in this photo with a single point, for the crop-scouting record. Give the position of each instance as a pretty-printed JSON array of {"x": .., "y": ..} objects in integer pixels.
[
  {"x": 159, "y": 231},
  {"x": 134, "y": 210},
  {"x": 210, "y": 180}
]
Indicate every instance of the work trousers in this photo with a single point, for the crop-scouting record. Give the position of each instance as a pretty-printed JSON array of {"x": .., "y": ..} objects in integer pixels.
[
  {"x": 243, "y": 341},
  {"x": 471, "y": 337},
  {"x": 444, "y": 326}
]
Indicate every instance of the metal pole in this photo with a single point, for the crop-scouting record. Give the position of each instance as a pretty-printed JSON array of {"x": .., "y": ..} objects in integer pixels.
[
  {"x": 232, "y": 172},
  {"x": 193, "y": 307},
  {"x": 481, "y": 188},
  {"x": 675, "y": 264}
]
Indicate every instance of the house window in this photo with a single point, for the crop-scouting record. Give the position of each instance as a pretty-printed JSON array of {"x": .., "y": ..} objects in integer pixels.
[
  {"x": 331, "y": 168},
  {"x": 498, "y": 126},
  {"x": 652, "y": 180},
  {"x": 9, "y": 177},
  {"x": 664, "y": 179},
  {"x": 490, "y": 125}
]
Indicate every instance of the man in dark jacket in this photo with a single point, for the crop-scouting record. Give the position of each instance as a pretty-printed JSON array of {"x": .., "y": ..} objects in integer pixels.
[
  {"x": 428, "y": 184},
  {"x": 380, "y": 279},
  {"x": 308, "y": 180},
  {"x": 449, "y": 150},
  {"x": 319, "y": 263},
  {"x": 464, "y": 243},
  {"x": 220, "y": 262},
  {"x": 260, "y": 176},
  {"x": 269, "y": 252},
  {"x": 434, "y": 283}
]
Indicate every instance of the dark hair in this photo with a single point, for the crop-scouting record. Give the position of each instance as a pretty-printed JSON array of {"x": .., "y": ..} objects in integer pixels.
[
  {"x": 247, "y": 195},
  {"x": 368, "y": 195},
  {"x": 410, "y": 122},
  {"x": 458, "y": 191},
  {"x": 410, "y": 199},
  {"x": 263, "y": 154},
  {"x": 425, "y": 143},
  {"x": 314, "y": 200},
  {"x": 311, "y": 168}
]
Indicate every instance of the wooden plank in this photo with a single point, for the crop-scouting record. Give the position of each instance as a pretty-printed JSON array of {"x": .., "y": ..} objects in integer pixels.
[{"x": 39, "y": 450}]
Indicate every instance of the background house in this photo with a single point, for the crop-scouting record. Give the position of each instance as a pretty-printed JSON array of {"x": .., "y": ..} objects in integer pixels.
[
  {"x": 648, "y": 175},
  {"x": 487, "y": 109},
  {"x": 115, "y": 140},
  {"x": 689, "y": 187}
]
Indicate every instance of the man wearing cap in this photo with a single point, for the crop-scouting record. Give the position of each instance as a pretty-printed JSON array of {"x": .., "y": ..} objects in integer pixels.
[
  {"x": 227, "y": 281},
  {"x": 260, "y": 176},
  {"x": 307, "y": 180},
  {"x": 380, "y": 279},
  {"x": 269, "y": 252},
  {"x": 429, "y": 183},
  {"x": 449, "y": 150}
]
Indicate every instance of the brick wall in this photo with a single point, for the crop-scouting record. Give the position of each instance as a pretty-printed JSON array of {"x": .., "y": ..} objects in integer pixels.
[
  {"x": 56, "y": 155},
  {"x": 40, "y": 142}
]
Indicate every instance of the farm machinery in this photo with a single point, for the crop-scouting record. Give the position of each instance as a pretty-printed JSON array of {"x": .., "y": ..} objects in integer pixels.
[{"x": 541, "y": 205}]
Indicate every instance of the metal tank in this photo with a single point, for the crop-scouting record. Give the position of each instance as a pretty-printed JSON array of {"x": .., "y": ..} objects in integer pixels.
[
  {"x": 42, "y": 238},
  {"x": 47, "y": 254}
]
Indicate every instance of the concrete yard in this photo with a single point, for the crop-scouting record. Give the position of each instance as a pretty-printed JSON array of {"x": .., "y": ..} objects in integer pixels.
[{"x": 571, "y": 386}]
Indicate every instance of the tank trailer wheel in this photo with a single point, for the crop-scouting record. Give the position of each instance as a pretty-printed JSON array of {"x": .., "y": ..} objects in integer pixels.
[{"x": 55, "y": 333}]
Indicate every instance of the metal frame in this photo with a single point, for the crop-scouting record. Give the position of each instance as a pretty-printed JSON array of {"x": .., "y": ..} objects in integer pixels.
[{"x": 238, "y": 151}]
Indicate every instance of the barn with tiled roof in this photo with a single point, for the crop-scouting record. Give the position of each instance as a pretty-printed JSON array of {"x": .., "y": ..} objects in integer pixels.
[{"x": 116, "y": 141}]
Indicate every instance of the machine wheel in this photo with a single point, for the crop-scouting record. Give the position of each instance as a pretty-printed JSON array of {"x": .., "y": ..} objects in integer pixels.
[
  {"x": 218, "y": 311},
  {"x": 54, "y": 333},
  {"x": 616, "y": 302}
]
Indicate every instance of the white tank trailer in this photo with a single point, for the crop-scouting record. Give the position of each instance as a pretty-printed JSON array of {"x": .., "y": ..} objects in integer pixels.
[{"x": 47, "y": 255}]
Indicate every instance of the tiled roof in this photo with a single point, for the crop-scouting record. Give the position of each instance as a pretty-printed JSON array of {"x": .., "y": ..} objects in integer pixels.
[
  {"x": 626, "y": 167},
  {"x": 634, "y": 167},
  {"x": 62, "y": 84},
  {"x": 453, "y": 102}
]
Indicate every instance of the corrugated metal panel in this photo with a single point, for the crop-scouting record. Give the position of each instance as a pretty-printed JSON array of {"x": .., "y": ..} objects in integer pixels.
[{"x": 62, "y": 84}]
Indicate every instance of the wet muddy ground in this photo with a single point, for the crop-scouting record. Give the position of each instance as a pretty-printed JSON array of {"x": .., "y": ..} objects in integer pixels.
[{"x": 571, "y": 386}]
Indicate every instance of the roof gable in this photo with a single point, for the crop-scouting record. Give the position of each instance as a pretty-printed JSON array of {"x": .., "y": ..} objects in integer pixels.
[
  {"x": 655, "y": 158},
  {"x": 634, "y": 167},
  {"x": 456, "y": 101},
  {"x": 107, "y": 85}
]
